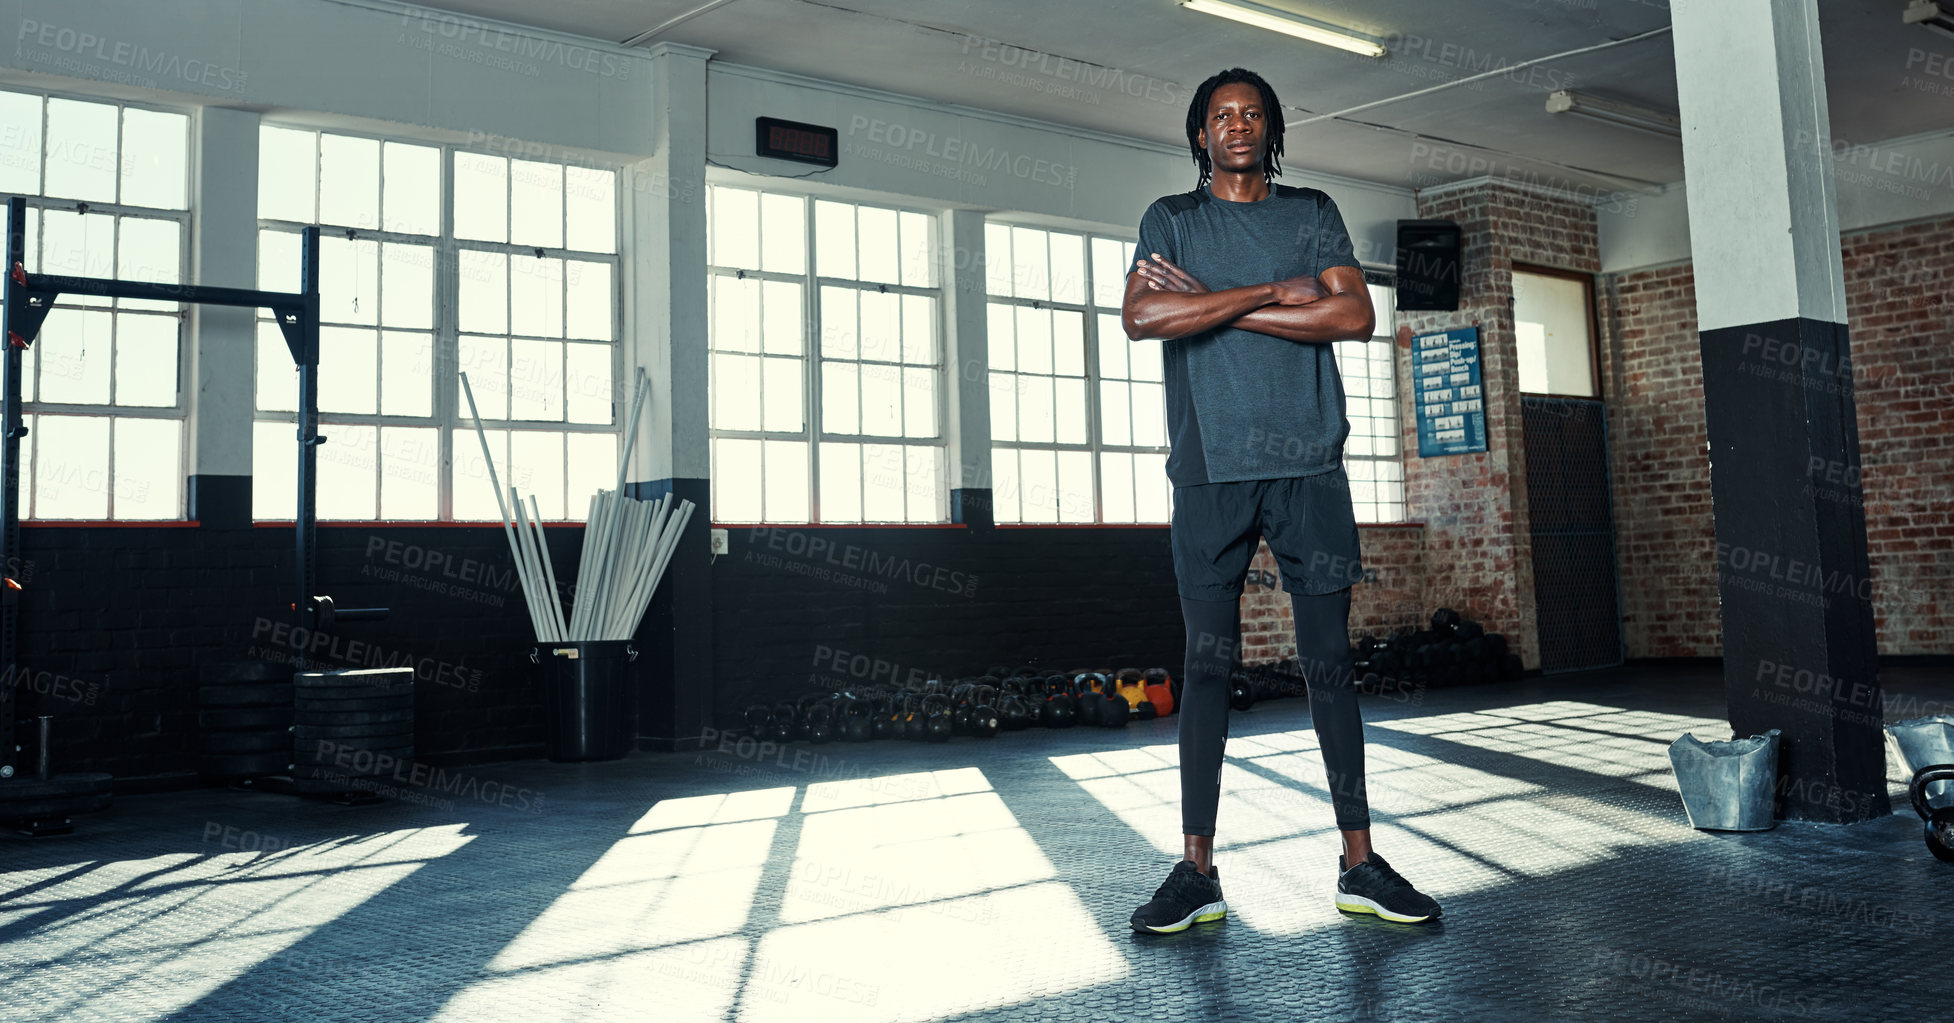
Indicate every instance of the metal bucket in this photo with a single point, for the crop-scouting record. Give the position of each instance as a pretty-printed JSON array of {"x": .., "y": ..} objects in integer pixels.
[
  {"x": 1729, "y": 785},
  {"x": 1921, "y": 742}
]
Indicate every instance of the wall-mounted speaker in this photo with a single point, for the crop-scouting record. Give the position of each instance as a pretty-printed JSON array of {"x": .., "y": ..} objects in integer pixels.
[{"x": 1428, "y": 264}]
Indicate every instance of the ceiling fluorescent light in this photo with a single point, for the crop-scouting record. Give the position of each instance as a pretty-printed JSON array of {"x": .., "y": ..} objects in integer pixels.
[
  {"x": 1615, "y": 112},
  {"x": 1929, "y": 14},
  {"x": 1288, "y": 24}
]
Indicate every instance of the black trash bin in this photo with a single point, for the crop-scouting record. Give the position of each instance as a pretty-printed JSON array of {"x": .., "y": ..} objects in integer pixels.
[{"x": 587, "y": 698}]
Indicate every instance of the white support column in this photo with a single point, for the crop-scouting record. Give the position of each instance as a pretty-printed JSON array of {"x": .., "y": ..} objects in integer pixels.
[
  {"x": 221, "y": 340},
  {"x": 966, "y": 348}
]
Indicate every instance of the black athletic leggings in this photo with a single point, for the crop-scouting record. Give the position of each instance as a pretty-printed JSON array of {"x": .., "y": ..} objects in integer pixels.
[{"x": 1323, "y": 647}]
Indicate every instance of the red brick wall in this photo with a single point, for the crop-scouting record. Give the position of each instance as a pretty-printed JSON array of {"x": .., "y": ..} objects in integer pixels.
[
  {"x": 1902, "y": 334},
  {"x": 1665, "y": 546},
  {"x": 1479, "y": 555},
  {"x": 1391, "y": 596}
]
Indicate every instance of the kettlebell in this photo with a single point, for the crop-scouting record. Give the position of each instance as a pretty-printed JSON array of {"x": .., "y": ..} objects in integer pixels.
[
  {"x": 1939, "y": 820},
  {"x": 1113, "y": 711},
  {"x": 984, "y": 721},
  {"x": 758, "y": 720},
  {"x": 1012, "y": 714}
]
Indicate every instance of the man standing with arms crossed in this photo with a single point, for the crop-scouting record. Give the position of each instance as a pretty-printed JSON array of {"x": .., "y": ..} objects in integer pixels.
[{"x": 1248, "y": 283}]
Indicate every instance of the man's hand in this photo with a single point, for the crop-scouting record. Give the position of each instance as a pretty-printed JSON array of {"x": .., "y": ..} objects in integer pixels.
[
  {"x": 1299, "y": 290},
  {"x": 1163, "y": 275}
]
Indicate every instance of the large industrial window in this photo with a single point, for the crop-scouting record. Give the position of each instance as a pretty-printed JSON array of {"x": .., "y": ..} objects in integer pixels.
[
  {"x": 1371, "y": 456},
  {"x": 107, "y": 189},
  {"x": 826, "y": 361},
  {"x": 1553, "y": 332},
  {"x": 513, "y": 282},
  {"x": 1078, "y": 425}
]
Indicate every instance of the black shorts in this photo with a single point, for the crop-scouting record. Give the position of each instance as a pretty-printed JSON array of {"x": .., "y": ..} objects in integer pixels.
[{"x": 1307, "y": 520}]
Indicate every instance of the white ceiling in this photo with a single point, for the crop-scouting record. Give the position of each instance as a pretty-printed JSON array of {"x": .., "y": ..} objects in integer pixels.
[{"x": 937, "y": 50}]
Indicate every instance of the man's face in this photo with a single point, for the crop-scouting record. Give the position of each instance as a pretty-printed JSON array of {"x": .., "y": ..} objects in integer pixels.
[{"x": 1236, "y": 129}]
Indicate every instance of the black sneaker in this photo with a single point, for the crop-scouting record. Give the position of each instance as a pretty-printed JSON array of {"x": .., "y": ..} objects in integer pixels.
[
  {"x": 1186, "y": 898},
  {"x": 1373, "y": 887}
]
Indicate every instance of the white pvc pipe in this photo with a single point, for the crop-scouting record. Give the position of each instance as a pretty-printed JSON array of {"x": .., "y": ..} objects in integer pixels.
[
  {"x": 508, "y": 527},
  {"x": 549, "y": 571}
]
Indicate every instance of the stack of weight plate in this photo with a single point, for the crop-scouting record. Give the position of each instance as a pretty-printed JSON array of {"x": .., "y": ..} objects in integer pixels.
[
  {"x": 352, "y": 731},
  {"x": 244, "y": 719}
]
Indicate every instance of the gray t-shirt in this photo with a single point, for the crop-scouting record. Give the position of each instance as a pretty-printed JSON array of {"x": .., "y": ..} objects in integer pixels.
[{"x": 1243, "y": 405}]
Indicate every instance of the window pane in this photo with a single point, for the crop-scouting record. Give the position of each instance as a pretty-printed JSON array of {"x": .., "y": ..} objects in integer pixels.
[
  {"x": 735, "y": 392},
  {"x": 288, "y": 164},
  {"x": 783, "y": 225},
  {"x": 841, "y": 483},
  {"x": 838, "y": 327},
  {"x": 923, "y": 481},
  {"x": 1035, "y": 409},
  {"x": 145, "y": 360},
  {"x": 1550, "y": 328},
  {"x": 1004, "y": 407},
  {"x": 918, "y": 251},
  {"x": 1116, "y": 486},
  {"x": 410, "y": 463},
  {"x": 278, "y": 261},
  {"x": 881, "y": 326},
  {"x": 484, "y": 292},
  {"x": 1038, "y": 486},
  {"x": 882, "y": 484},
  {"x": 840, "y": 409},
  {"x": 919, "y": 330},
  {"x": 877, "y": 247},
  {"x": 481, "y": 197},
  {"x": 1071, "y": 413},
  {"x": 997, "y": 260},
  {"x": 1031, "y": 264},
  {"x": 81, "y": 156},
  {"x": 411, "y": 179},
  {"x": 348, "y": 481},
  {"x": 536, "y": 296},
  {"x": 587, "y": 379},
  {"x": 734, "y": 325},
  {"x": 277, "y": 379},
  {"x": 349, "y": 182},
  {"x": 781, "y": 308},
  {"x": 406, "y": 374},
  {"x": 155, "y": 154},
  {"x": 82, "y": 245},
  {"x": 881, "y": 401},
  {"x": 590, "y": 207},
  {"x": 1108, "y": 278},
  {"x": 71, "y": 467},
  {"x": 1113, "y": 348},
  {"x": 152, "y": 251},
  {"x": 1152, "y": 493},
  {"x": 349, "y": 280},
  {"x": 591, "y": 465},
  {"x": 1075, "y": 502},
  {"x": 536, "y": 380},
  {"x": 76, "y": 354},
  {"x": 1068, "y": 268},
  {"x": 1003, "y": 335},
  {"x": 1068, "y": 343},
  {"x": 735, "y": 228},
  {"x": 485, "y": 362},
  {"x": 537, "y": 460},
  {"x": 1034, "y": 340},
  {"x": 919, "y": 403},
  {"x": 787, "y": 483},
  {"x": 1144, "y": 360},
  {"x": 536, "y": 204},
  {"x": 781, "y": 397},
  {"x": 474, "y": 496},
  {"x": 1005, "y": 505},
  {"x": 407, "y": 279},
  {"x": 834, "y": 239},
  {"x": 1149, "y": 416},
  {"x": 20, "y": 144},
  {"x": 587, "y": 311},
  {"x": 349, "y": 370},
  {"x": 1114, "y": 413},
  {"x": 148, "y": 482}
]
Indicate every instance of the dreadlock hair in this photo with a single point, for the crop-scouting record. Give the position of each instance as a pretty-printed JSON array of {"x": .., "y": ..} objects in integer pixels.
[{"x": 1197, "y": 119}]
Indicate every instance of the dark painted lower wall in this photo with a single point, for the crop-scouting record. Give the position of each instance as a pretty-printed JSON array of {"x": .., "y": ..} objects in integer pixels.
[{"x": 802, "y": 607}]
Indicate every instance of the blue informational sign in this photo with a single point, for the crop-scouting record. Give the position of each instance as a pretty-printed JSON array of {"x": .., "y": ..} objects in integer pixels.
[{"x": 1446, "y": 387}]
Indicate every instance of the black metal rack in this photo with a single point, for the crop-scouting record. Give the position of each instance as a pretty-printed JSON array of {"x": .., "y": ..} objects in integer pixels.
[{"x": 30, "y": 297}]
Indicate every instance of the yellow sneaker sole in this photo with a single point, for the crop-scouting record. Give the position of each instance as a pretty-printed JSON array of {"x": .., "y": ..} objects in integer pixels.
[{"x": 1359, "y": 904}]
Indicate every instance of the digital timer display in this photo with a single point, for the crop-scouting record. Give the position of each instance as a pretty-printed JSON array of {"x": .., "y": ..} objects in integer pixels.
[{"x": 791, "y": 140}]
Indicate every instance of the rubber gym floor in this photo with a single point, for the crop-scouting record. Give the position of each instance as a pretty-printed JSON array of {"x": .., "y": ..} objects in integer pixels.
[{"x": 991, "y": 880}]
